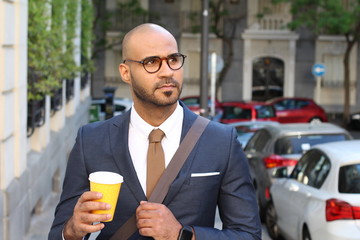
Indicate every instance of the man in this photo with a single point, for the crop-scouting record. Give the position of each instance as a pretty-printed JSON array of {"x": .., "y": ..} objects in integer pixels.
[{"x": 214, "y": 174}]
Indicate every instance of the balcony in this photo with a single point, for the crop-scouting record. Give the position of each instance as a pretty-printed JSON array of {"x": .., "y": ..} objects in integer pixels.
[{"x": 273, "y": 23}]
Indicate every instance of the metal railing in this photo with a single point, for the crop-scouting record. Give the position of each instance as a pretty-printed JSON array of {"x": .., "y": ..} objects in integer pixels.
[
  {"x": 273, "y": 23},
  {"x": 84, "y": 79},
  {"x": 36, "y": 115},
  {"x": 56, "y": 101},
  {"x": 69, "y": 89}
]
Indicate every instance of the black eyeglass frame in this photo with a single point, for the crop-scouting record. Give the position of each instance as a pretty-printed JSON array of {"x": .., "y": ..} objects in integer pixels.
[{"x": 143, "y": 62}]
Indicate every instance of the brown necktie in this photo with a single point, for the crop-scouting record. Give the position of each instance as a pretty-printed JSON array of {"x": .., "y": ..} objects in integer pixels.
[{"x": 155, "y": 160}]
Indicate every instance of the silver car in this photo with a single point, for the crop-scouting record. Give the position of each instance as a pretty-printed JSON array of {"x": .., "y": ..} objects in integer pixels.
[
  {"x": 277, "y": 146},
  {"x": 246, "y": 129}
]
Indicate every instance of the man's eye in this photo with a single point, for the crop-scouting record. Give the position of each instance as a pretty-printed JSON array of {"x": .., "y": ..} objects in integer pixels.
[
  {"x": 151, "y": 61},
  {"x": 173, "y": 59}
]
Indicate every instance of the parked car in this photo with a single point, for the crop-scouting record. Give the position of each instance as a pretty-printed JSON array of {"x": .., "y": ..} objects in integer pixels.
[
  {"x": 298, "y": 110},
  {"x": 193, "y": 103},
  {"x": 98, "y": 105},
  {"x": 355, "y": 121},
  {"x": 246, "y": 129},
  {"x": 275, "y": 146},
  {"x": 321, "y": 198},
  {"x": 247, "y": 111}
]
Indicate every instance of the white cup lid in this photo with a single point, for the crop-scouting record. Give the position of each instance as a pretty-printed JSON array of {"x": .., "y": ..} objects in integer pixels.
[{"x": 104, "y": 177}]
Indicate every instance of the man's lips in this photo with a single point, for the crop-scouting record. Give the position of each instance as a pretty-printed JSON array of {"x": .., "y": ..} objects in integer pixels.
[{"x": 167, "y": 87}]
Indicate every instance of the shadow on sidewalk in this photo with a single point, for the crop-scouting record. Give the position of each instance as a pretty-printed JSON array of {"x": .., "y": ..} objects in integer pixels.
[{"x": 40, "y": 223}]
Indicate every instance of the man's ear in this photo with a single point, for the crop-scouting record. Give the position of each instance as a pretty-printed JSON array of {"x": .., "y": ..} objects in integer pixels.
[{"x": 124, "y": 72}]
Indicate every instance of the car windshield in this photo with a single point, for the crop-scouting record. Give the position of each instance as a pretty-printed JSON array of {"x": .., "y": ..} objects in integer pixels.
[
  {"x": 349, "y": 179},
  {"x": 301, "y": 143}
]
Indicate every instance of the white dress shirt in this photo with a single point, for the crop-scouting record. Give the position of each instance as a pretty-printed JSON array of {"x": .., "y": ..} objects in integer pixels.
[{"x": 139, "y": 131}]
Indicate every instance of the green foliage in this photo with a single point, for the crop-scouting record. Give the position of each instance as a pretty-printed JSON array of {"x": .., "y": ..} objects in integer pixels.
[
  {"x": 326, "y": 16},
  {"x": 41, "y": 81},
  {"x": 87, "y": 35},
  {"x": 57, "y": 39},
  {"x": 68, "y": 61},
  {"x": 51, "y": 50},
  {"x": 133, "y": 6},
  {"x": 127, "y": 15}
]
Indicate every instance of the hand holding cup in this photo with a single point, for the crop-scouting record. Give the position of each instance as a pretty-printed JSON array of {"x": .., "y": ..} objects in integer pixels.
[{"x": 109, "y": 184}]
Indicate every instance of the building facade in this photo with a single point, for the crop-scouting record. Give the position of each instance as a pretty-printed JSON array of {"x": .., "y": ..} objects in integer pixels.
[
  {"x": 32, "y": 157},
  {"x": 269, "y": 60}
]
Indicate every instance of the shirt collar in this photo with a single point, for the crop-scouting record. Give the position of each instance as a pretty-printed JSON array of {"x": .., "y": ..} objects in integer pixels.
[{"x": 172, "y": 122}]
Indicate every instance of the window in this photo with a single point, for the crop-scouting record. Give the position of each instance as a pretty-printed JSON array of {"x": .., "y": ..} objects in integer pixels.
[
  {"x": 334, "y": 70},
  {"x": 285, "y": 104},
  {"x": 299, "y": 169},
  {"x": 349, "y": 179},
  {"x": 236, "y": 113},
  {"x": 264, "y": 111},
  {"x": 301, "y": 104},
  {"x": 317, "y": 170},
  {"x": 194, "y": 101},
  {"x": 258, "y": 142},
  {"x": 300, "y": 144},
  {"x": 312, "y": 169}
]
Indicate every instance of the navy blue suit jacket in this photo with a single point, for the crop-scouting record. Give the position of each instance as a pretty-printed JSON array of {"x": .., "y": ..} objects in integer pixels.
[{"x": 103, "y": 146}]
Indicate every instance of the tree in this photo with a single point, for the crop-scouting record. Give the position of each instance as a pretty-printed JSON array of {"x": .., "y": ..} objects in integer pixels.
[
  {"x": 223, "y": 23},
  {"x": 127, "y": 15},
  {"x": 227, "y": 34},
  {"x": 51, "y": 32},
  {"x": 334, "y": 17}
]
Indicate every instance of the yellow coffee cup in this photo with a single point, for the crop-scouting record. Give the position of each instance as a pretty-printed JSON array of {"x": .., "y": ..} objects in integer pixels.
[{"x": 109, "y": 184}]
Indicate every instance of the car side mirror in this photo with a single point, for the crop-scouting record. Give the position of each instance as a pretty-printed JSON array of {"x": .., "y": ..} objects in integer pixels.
[{"x": 280, "y": 172}]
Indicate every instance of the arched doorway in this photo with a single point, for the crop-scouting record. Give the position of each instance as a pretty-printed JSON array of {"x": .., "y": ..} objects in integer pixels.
[{"x": 267, "y": 79}]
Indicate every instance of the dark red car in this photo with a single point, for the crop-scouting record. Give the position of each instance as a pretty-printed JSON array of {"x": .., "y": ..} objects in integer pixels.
[
  {"x": 247, "y": 111},
  {"x": 298, "y": 110}
]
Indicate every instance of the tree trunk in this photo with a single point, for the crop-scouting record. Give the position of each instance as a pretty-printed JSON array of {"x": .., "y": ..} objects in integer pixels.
[
  {"x": 227, "y": 64},
  {"x": 346, "y": 113}
]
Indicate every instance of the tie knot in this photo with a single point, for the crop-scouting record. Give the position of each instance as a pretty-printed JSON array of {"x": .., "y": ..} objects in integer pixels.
[{"x": 156, "y": 135}]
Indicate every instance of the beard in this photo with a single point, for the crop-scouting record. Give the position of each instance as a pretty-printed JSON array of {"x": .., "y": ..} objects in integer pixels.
[{"x": 148, "y": 96}]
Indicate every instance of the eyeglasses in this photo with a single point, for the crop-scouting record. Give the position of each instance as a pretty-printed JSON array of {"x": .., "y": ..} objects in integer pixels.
[{"x": 153, "y": 64}]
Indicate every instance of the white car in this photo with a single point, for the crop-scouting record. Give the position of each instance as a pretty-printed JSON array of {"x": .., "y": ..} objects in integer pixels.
[{"x": 320, "y": 200}]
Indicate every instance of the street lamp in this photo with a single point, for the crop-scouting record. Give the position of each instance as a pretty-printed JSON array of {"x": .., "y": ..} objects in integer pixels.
[{"x": 204, "y": 111}]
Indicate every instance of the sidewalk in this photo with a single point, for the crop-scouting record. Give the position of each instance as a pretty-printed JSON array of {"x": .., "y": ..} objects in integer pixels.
[{"x": 41, "y": 223}]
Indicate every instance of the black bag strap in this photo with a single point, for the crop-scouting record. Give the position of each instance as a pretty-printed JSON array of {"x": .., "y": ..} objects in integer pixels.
[{"x": 161, "y": 189}]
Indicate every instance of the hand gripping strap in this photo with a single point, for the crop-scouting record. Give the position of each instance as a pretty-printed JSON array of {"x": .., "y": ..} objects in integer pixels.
[{"x": 169, "y": 175}]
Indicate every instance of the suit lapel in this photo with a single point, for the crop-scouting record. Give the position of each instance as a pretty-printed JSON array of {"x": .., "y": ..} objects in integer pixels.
[
  {"x": 189, "y": 118},
  {"x": 118, "y": 132}
]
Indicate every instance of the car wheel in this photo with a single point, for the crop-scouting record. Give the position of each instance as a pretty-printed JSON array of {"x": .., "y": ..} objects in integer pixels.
[
  {"x": 271, "y": 222},
  {"x": 315, "y": 120},
  {"x": 306, "y": 234}
]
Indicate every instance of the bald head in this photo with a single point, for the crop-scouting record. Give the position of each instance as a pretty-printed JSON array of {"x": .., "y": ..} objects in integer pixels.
[{"x": 142, "y": 34}]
